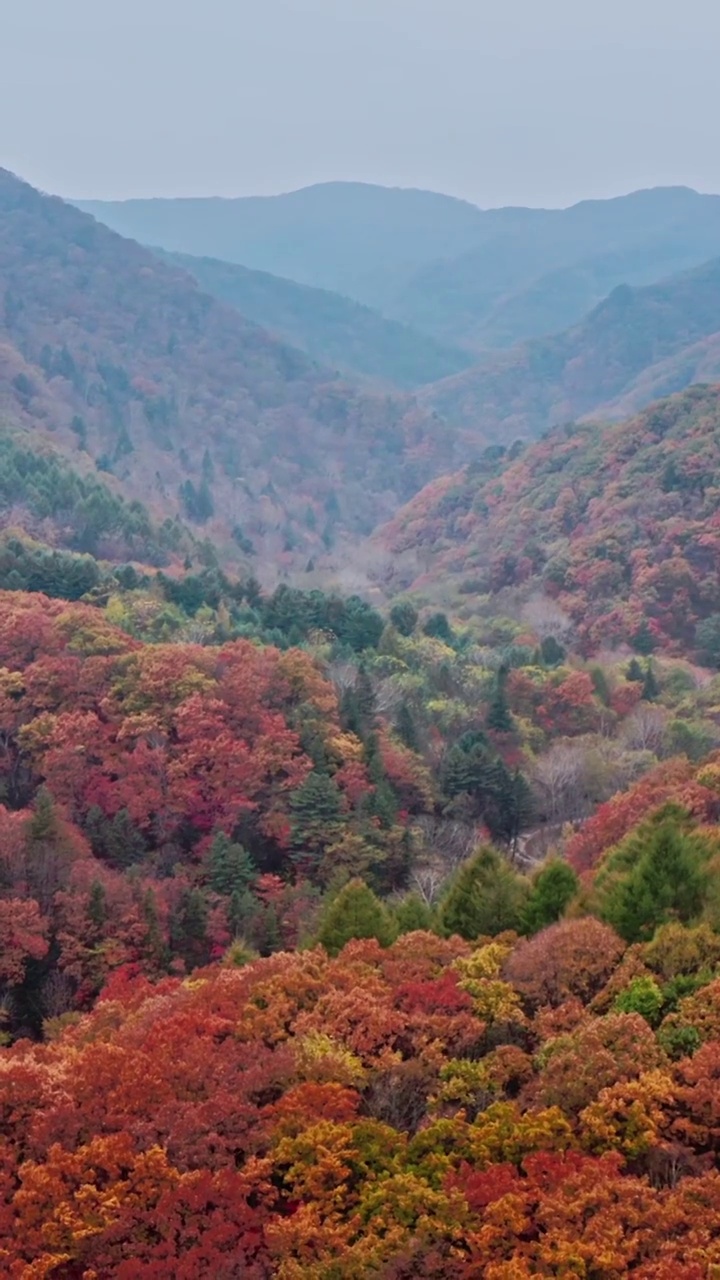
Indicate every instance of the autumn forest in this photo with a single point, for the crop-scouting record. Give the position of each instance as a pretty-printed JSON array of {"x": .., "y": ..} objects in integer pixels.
[{"x": 359, "y": 738}]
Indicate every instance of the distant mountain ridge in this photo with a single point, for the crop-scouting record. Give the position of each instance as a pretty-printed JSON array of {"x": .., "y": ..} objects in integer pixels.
[
  {"x": 351, "y": 238},
  {"x": 483, "y": 279},
  {"x": 327, "y": 326},
  {"x": 195, "y": 410},
  {"x": 536, "y": 277}
]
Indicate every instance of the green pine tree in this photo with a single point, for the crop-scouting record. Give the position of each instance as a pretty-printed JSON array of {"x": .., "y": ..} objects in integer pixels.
[
  {"x": 553, "y": 888},
  {"x": 189, "y": 929},
  {"x": 230, "y": 867},
  {"x": 465, "y": 766},
  {"x": 354, "y": 912},
  {"x": 404, "y": 617},
  {"x": 316, "y": 814},
  {"x": 97, "y": 905},
  {"x": 365, "y": 695},
  {"x": 651, "y": 688},
  {"x": 485, "y": 898},
  {"x": 405, "y": 727},
  {"x": 438, "y": 628},
  {"x": 498, "y": 715},
  {"x": 381, "y": 803},
  {"x": 643, "y": 640},
  {"x": 508, "y": 803},
  {"x": 240, "y": 909},
  {"x": 155, "y": 952},
  {"x": 116, "y": 840},
  {"x": 412, "y": 914},
  {"x": 350, "y": 715},
  {"x": 48, "y": 851},
  {"x": 667, "y": 882},
  {"x": 552, "y": 652}
]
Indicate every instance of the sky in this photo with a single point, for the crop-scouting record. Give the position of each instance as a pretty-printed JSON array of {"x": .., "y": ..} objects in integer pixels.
[{"x": 536, "y": 102}]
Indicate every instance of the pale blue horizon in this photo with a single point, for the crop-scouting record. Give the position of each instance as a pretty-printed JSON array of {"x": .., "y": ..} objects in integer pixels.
[{"x": 495, "y": 101}]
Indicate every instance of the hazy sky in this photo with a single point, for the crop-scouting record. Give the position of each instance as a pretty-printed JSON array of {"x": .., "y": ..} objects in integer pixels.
[{"x": 500, "y": 101}]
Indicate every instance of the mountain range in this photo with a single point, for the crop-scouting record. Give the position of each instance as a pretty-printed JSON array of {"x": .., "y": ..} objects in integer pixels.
[
  {"x": 478, "y": 278},
  {"x": 273, "y": 416},
  {"x": 351, "y": 238},
  {"x": 121, "y": 362}
]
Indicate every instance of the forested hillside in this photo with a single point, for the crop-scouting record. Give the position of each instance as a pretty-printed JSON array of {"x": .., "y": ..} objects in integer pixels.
[
  {"x": 195, "y": 410},
  {"x": 332, "y": 329},
  {"x": 619, "y": 525},
  {"x": 213, "y": 763},
  {"x": 339, "y": 943},
  {"x": 369, "y": 932},
  {"x": 636, "y": 346},
  {"x": 229, "y": 1054}
]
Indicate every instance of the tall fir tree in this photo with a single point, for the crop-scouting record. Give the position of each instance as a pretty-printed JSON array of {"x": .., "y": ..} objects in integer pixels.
[
  {"x": 316, "y": 817},
  {"x": 189, "y": 929},
  {"x": 406, "y": 728},
  {"x": 486, "y": 897},
  {"x": 666, "y": 882},
  {"x": 651, "y": 688},
  {"x": 498, "y": 717},
  {"x": 552, "y": 890},
  {"x": 355, "y": 912},
  {"x": 230, "y": 867}
]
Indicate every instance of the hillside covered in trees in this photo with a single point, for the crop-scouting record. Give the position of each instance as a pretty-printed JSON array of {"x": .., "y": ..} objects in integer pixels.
[
  {"x": 341, "y": 944},
  {"x": 453, "y": 1100},
  {"x": 219, "y": 763},
  {"x": 329, "y": 327},
  {"x": 358, "y": 935},
  {"x": 617, "y": 525},
  {"x": 196, "y": 411},
  {"x": 634, "y": 347}
]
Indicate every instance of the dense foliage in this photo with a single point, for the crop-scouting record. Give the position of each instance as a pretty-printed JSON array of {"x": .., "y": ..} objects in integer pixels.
[
  {"x": 273, "y": 1008},
  {"x": 204, "y": 779},
  {"x": 39, "y": 489},
  {"x": 347, "y": 936},
  {"x": 433, "y": 1108},
  {"x": 618, "y": 526}
]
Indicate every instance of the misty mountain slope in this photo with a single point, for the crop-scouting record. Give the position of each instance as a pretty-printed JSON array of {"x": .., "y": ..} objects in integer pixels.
[
  {"x": 698, "y": 363},
  {"x": 482, "y": 279},
  {"x": 525, "y": 391},
  {"x": 561, "y": 297},
  {"x": 329, "y": 327},
  {"x": 535, "y": 279},
  {"x": 194, "y": 409},
  {"x": 347, "y": 237},
  {"x": 617, "y": 526}
]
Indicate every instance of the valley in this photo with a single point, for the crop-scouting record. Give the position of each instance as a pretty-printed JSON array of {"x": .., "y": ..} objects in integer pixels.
[{"x": 359, "y": 737}]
